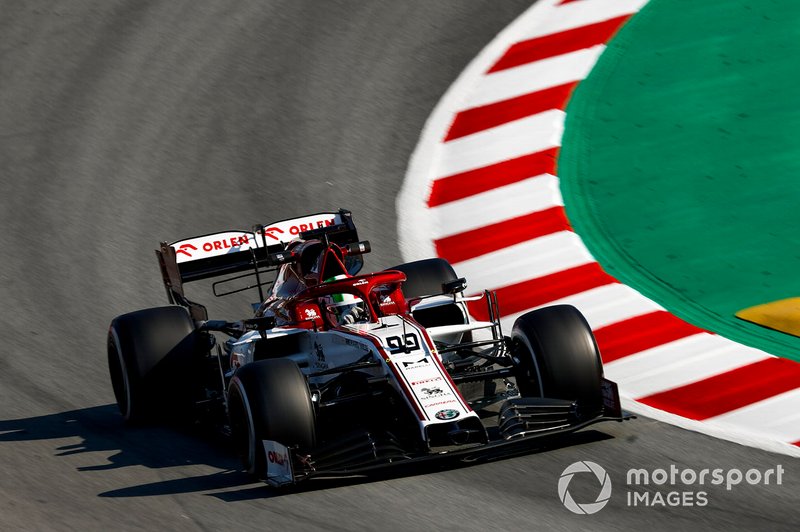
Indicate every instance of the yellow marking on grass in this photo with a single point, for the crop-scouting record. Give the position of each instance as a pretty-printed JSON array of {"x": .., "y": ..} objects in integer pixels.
[{"x": 782, "y": 315}]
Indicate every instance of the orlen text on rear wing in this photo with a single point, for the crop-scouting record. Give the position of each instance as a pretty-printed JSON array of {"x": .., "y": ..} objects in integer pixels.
[
  {"x": 235, "y": 251},
  {"x": 336, "y": 227}
]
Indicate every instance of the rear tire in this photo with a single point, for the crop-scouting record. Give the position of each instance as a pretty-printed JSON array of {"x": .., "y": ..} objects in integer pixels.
[
  {"x": 152, "y": 355},
  {"x": 269, "y": 400},
  {"x": 425, "y": 277},
  {"x": 558, "y": 357}
]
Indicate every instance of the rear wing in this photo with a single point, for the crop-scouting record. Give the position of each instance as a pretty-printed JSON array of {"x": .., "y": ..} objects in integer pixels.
[{"x": 235, "y": 251}]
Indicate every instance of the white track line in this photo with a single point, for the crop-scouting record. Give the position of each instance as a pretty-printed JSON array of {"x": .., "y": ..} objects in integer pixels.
[
  {"x": 508, "y": 141},
  {"x": 414, "y": 220},
  {"x": 740, "y": 434},
  {"x": 534, "y": 77},
  {"x": 577, "y": 14},
  {"x": 679, "y": 363},
  {"x": 601, "y": 306},
  {"x": 522, "y": 262},
  {"x": 497, "y": 205},
  {"x": 778, "y": 416}
]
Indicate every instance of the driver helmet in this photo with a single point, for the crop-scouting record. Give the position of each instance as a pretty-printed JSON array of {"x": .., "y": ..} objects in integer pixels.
[{"x": 347, "y": 309}]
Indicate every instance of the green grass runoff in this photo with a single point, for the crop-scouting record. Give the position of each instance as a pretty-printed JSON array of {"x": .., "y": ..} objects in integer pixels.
[{"x": 680, "y": 165}]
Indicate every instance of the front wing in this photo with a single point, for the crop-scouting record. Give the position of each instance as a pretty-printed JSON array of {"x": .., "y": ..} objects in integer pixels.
[{"x": 365, "y": 453}]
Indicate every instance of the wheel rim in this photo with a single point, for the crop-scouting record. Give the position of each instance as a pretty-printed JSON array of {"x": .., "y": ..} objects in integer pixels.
[{"x": 523, "y": 343}]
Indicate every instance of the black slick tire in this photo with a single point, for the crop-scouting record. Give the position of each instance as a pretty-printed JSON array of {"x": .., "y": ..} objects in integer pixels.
[
  {"x": 558, "y": 356},
  {"x": 269, "y": 400},
  {"x": 152, "y": 357}
]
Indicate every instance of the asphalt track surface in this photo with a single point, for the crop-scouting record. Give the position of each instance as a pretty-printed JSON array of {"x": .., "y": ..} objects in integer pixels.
[{"x": 122, "y": 124}]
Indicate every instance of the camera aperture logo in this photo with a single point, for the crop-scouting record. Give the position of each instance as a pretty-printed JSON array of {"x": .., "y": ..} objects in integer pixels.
[
  {"x": 589, "y": 507},
  {"x": 669, "y": 486}
]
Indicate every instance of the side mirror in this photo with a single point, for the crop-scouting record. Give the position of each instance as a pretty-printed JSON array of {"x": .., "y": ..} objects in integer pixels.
[
  {"x": 358, "y": 248},
  {"x": 281, "y": 257},
  {"x": 263, "y": 323},
  {"x": 454, "y": 287}
]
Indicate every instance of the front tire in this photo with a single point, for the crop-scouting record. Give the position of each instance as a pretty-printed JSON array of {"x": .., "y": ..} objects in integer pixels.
[
  {"x": 558, "y": 357},
  {"x": 269, "y": 400}
]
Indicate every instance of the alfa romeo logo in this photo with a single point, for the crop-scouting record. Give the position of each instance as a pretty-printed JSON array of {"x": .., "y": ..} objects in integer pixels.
[
  {"x": 446, "y": 414},
  {"x": 590, "y": 507}
]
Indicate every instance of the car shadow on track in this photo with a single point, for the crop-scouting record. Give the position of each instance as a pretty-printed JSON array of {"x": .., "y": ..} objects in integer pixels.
[{"x": 101, "y": 430}]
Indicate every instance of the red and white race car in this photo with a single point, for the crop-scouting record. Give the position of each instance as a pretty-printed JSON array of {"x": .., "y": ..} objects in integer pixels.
[{"x": 345, "y": 373}]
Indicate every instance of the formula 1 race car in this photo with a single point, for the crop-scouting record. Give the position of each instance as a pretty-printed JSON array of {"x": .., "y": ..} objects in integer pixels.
[{"x": 341, "y": 373}]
